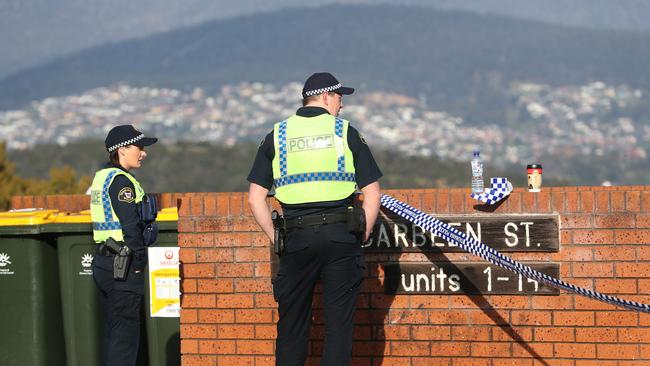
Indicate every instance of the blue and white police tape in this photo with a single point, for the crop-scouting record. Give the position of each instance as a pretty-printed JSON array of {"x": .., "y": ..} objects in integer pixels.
[
  {"x": 499, "y": 189},
  {"x": 491, "y": 255}
]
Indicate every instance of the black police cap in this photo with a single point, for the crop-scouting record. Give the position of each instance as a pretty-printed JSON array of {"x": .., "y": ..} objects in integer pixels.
[
  {"x": 323, "y": 82},
  {"x": 126, "y": 135}
]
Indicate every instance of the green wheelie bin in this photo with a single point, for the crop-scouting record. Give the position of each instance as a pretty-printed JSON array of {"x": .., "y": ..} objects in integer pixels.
[
  {"x": 162, "y": 297},
  {"x": 82, "y": 309},
  {"x": 30, "y": 303}
]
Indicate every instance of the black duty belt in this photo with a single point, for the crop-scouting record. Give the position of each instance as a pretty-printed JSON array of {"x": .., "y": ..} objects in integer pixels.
[
  {"x": 102, "y": 249},
  {"x": 315, "y": 220}
]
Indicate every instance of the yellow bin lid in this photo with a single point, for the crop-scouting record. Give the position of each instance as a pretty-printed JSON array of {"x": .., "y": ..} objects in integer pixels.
[{"x": 27, "y": 217}]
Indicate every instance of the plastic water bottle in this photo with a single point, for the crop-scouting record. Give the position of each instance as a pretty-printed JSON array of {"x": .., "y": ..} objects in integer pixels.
[{"x": 477, "y": 173}]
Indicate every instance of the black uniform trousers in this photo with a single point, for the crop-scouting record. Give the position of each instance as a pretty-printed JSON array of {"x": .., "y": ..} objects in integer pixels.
[
  {"x": 333, "y": 256},
  {"x": 122, "y": 305}
]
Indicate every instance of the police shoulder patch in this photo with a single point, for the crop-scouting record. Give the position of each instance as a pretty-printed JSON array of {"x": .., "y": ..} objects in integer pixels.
[{"x": 126, "y": 195}]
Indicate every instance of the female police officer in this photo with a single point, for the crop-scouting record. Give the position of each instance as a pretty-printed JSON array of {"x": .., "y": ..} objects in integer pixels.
[{"x": 118, "y": 226}]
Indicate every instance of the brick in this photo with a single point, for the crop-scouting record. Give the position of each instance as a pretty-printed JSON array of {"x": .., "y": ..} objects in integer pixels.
[
  {"x": 425, "y": 361},
  {"x": 204, "y": 270},
  {"x": 510, "y": 302},
  {"x": 263, "y": 270},
  {"x": 198, "y": 301},
  {"x": 530, "y": 317},
  {"x": 536, "y": 350},
  {"x": 457, "y": 202},
  {"x": 633, "y": 335},
  {"x": 543, "y": 201},
  {"x": 187, "y": 255},
  {"x": 254, "y": 347},
  {"x": 509, "y": 333},
  {"x": 602, "y": 236},
  {"x": 264, "y": 301},
  {"x": 558, "y": 200},
  {"x": 252, "y": 254},
  {"x": 239, "y": 270},
  {"x": 223, "y": 205},
  {"x": 449, "y": 317},
  {"x": 575, "y": 350},
  {"x": 638, "y": 236},
  {"x": 617, "y": 200},
  {"x": 617, "y": 351},
  {"x": 528, "y": 202},
  {"x": 582, "y": 318},
  {"x": 368, "y": 348},
  {"x": 574, "y": 254},
  {"x": 407, "y": 316},
  {"x": 554, "y": 334},
  {"x": 216, "y": 316},
  {"x": 237, "y": 360},
  {"x": 618, "y": 220},
  {"x": 189, "y": 346},
  {"x": 263, "y": 331},
  {"x": 189, "y": 286},
  {"x": 189, "y": 316},
  {"x": 643, "y": 220},
  {"x": 602, "y": 201},
  {"x": 244, "y": 223},
  {"x": 431, "y": 332},
  {"x": 645, "y": 201},
  {"x": 234, "y": 301},
  {"x": 196, "y": 360},
  {"x": 614, "y": 253},
  {"x": 217, "y": 347},
  {"x": 617, "y": 318},
  {"x": 204, "y": 224},
  {"x": 512, "y": 361},
  {"x": 198, "y": 331},
  {"x": 471, "y": 362},
  {"x": 196, "y": 206},
  {"x": 392, "y": 332},
  {"x": 210, "y": 206},
  {"x": 428, "y": 202},
  {"x": 235, "y": 331},
  {"x": 252, "y": 285},
  {"x": 453, "y": 349},
  {"x": 633, "y": 201},
  {"x": 638, "y": 270},
  {"x": 491, "y": 349},
  {"x": 442, "y": 202},
  {"x": 215, "y": 286},
  {"x": 233, "y": 239},
  {"x": 214, "y": 255},
  {"x": 412, "y": 348},
  {"x": 185, "y": 225},
  {"x": 616, "y": 286},
  {"x": 237, "y": 205},
  {"x": 460, "y": 333},
  {"x": 585, "y": 269},
  {"x": 514, "y": 202},
  {"x": 595, "y": 334},
  {"x": 195, "y": 240},
  {"x": 576, "y": 221}
]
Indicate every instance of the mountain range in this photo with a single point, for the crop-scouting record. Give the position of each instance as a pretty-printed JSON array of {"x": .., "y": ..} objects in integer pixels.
[
  {"x": 36, "y": 31},
  {"x": 456, "y": 61}
]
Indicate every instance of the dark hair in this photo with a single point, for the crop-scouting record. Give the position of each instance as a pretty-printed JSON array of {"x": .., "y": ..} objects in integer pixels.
[{"x": 114, "y": 158}]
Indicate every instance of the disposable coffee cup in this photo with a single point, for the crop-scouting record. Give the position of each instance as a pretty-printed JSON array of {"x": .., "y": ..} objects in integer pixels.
[{"x": 534, "y": 177}]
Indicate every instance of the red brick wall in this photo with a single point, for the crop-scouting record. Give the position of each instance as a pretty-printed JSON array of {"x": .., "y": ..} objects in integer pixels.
[
  {"x": 78, "y": 202},
  {"x": 228, "y": 313}
]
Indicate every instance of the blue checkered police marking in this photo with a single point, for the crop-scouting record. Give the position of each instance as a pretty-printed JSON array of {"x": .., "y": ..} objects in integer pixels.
[
  {"x": 340, "y": 164},
  {"x": 491, "y": 255},
  {"x": 104, "y": 226},
  {"x": 338, "y": 127},
  {"x": 314, "y": 177},
  {"x": 282, "y": 142},
  {"x": 106, "y": 199}
]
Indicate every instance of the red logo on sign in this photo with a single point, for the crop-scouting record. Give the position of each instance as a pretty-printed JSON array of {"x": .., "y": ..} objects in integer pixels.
[{"x": 169, "y": 254}]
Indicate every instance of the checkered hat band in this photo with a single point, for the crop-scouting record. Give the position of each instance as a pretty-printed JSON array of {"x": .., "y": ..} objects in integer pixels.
[
  {"x": 314, "y": 177},
  {"x": 126, "y": 143},
  {"x": 309, "y": 93}
]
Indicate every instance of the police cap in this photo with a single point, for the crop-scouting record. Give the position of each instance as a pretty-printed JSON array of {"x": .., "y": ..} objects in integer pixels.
[
  {"x": 126, "y": 135},
  {"x": 323, "y": 82}
]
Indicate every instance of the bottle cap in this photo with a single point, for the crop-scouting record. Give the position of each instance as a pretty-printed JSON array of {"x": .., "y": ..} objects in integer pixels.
[{"x": 534, "y": 166}]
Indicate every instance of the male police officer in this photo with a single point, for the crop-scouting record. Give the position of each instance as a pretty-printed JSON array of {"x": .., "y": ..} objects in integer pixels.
[
  {"x": 315, "y": 159},
  {"x": 121, "y": 231}
]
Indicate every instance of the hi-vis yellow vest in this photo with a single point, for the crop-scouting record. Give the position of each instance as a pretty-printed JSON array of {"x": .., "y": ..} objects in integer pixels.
[
  {"x": 105, "y": 223},
  {"x": 312, "y": 162}
]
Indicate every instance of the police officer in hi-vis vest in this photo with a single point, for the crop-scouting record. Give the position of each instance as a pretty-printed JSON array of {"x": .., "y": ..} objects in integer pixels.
[
  {"x": 123, "y": 225},
  {"x": 316, "y": 160}
]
